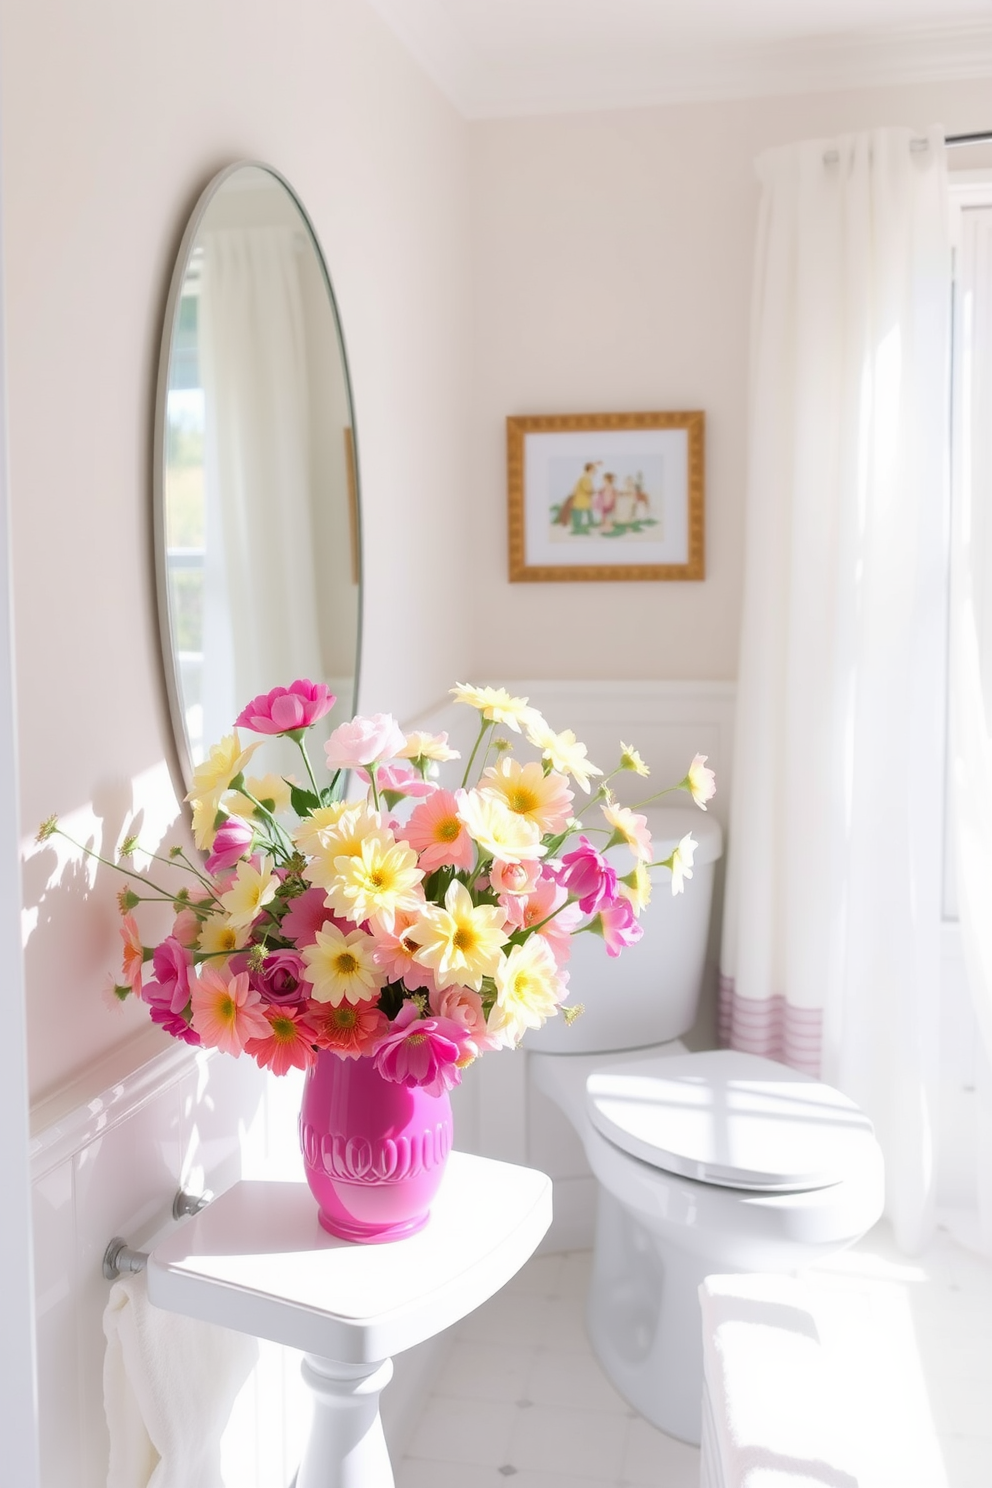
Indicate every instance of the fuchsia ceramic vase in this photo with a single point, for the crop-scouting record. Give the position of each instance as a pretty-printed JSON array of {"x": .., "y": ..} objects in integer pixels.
[{"x": 374, "y": 1151}]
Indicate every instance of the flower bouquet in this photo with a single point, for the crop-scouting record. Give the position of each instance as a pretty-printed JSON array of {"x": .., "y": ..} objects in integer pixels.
[{"x": 382, "y": 918}]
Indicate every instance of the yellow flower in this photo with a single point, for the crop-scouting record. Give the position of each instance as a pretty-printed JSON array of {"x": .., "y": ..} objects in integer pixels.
[
  {"x": 252, "y": 890},
  {"x": 271, "y": 790},
  {"x": 344, "y": 839},
  {"x": 680, "y": 862},
  {"x": 221, "y": 935},
  {"x": 565, "y": 753},
  {"x": 310, "y": 834},
  {"x": 225, "y": 762},
  {"x": 700, "y": 781},
  {"x": 496, "y": 704},
  {"x": 379, "y": 880},
  {"x": 421, "y": 746},
  {"x": 629, "y": 828},
  {"x": 500, "y": 832},
  {"x": 340, "y": 967},
  {"x": 636, "y": 887},
  {"x": 204, "y": 818},
  {"x": 528, "y": 991},
  {"x": 461, "y": 941},
  {"x": 528, "y": 792},
  {"x": 631, "y": 760}
]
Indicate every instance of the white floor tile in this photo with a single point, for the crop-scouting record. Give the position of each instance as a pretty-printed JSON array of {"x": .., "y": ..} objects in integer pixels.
[
  {"x": 522, "y": 1391},
  {"x": 485, "y": 1371},
  {"x": 464, "y": 1431},
  {"x": 418, "y": 1472},
  {"x": 572, "y": 1378},
  {"x": 555, "y": 1439},
  {"x": 651, "y": 1457}
]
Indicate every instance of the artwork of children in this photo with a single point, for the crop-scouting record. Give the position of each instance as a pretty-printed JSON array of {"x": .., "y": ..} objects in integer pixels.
[
  {"x": 615, "y": 496},
  {"x": 623, "y": 504}
]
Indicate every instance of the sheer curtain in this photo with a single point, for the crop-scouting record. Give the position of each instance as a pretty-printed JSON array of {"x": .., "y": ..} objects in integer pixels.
[
  {"x": 971, "y": 651},
  {"x": 831, "y": 938},
  {"x": 260, "y": 613}
]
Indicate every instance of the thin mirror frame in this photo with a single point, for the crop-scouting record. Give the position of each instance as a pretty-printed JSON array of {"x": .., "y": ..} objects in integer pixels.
[{"x": 170, "y": 661}]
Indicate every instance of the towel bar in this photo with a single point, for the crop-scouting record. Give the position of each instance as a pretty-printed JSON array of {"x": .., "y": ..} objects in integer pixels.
[{"x": 119, "y": 1259}]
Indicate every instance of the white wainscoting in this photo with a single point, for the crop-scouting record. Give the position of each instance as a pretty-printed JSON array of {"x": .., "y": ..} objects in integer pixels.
[
  {"x": 498, "y": 1113},
  {"x": 107, "y": 1157}
]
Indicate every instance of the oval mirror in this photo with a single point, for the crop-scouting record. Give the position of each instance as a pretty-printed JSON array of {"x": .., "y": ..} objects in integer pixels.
[{"x": 257, "y": 538}]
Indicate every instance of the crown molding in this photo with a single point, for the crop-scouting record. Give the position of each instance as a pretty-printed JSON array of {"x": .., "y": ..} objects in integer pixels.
[{"x": 531, "y": 81}]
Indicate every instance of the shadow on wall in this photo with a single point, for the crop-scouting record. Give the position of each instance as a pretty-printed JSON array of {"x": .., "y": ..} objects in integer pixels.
[{"x": 71, "y": 921}]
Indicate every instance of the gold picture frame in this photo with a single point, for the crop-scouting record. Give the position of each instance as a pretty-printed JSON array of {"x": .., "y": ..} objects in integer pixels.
[{"x": 606, "y": 496}]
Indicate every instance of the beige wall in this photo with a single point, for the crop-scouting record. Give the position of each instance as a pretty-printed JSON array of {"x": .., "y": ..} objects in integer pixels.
[
  {"x": 115, "y": 115},
  {"x": 593, "y": 262},
  {"x": 613, "y": 258}
]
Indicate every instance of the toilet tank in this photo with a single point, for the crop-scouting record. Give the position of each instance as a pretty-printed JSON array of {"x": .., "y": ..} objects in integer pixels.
[{"x": 650, "y": 992}]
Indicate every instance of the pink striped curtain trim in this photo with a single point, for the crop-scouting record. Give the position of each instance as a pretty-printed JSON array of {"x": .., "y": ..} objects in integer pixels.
[{"x": 771, "y": 1027}]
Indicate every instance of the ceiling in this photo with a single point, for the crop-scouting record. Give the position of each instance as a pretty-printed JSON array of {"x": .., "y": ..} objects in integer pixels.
[{"x": 494, "y": 58}]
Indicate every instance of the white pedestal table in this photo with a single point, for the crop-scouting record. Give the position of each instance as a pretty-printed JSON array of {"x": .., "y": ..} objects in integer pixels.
[{"x": 256, "y": 1260}]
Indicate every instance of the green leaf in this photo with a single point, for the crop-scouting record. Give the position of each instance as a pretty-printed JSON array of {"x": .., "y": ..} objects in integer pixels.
[{"x": 304, "y": 801}]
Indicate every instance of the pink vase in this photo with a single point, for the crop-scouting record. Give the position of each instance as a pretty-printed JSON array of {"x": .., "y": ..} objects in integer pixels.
[{"x": 374, "y": 1151}]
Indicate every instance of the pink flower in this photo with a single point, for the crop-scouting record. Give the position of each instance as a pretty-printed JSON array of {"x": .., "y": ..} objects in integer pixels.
[
  {"x": 186, "y": 927},
  {"x": 287, "y": 710},
  {"x": 514, "y": 878},
  {"x": 306, "y": 915},
  {"x": 400, "y": 780},
  {"x": 171, "y": 987},
  {"x": 587, "y": 876},
  {"x": 232, "y": 841},
  {"x": 280, "y": 982},
  {"x": 548, "y": 896},
  {"x": 289, "y": 1043},
  {"x": 618, "y": 926},
  {"x": 227, "y": 1011},
  {"x": 421, "y": 1051},
  {"x": 350, "y": 1031},
  {"x": 134, "y": 953},
  {"x": 463, "y": 1006},
  {"x": 175, "y": 1024},
  {"x": 437, "y": 833},
  {"x": 395, "y": 948},
  {"x": 364, "y": 741}
]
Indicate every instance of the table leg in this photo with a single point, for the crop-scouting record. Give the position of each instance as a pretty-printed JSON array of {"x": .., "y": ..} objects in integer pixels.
[{"x": 346, "y": 1447}]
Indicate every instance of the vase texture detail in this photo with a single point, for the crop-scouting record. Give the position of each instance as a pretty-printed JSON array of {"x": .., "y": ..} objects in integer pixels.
[{"x": 374, "y": 1151}]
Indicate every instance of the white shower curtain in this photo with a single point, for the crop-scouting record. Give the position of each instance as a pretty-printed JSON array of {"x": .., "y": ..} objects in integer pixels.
[
  {"x": 831, "y": 939},
  {"x": 971, "y": 656},
  {"x": 260, "y": 614}
]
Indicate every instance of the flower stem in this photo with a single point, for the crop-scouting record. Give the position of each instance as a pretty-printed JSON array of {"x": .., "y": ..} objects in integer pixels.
[
  {"x": 129, "y": 872},
  {"x": 282, "y": 840},
  {"x": 487, "y": 723},
  {"x": 667, "y": 791},
  {"x": 306, "y": 760}
]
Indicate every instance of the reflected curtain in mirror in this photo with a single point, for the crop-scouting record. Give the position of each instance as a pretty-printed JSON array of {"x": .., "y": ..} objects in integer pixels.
[{"x": 257, "y": 531}]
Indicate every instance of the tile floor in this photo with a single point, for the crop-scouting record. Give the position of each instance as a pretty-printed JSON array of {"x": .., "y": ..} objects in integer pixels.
[{"x": 521, "y": 1400}]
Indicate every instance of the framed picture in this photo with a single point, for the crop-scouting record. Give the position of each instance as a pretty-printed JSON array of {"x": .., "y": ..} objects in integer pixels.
[{"x": 605, "y": 496}]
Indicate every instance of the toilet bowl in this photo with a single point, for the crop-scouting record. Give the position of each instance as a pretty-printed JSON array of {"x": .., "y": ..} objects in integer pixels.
[{"x": 706, "y": 1163}]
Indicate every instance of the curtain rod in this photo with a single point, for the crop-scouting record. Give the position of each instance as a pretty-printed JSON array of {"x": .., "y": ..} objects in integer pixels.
[{"x": 983, "y": 137}]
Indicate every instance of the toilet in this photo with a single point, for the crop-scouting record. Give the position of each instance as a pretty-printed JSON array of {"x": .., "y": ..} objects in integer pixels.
[{"x": 706, "y": 1163}]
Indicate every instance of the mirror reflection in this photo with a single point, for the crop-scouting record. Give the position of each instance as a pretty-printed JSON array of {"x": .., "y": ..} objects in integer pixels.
[{"x": 257, "y": 523}]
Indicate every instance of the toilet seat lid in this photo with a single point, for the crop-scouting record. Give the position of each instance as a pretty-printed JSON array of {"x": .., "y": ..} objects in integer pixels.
[{"x": 729, "y": 1118}]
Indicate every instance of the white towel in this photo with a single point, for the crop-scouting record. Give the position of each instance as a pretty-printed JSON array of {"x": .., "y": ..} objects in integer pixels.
[
  {"x": 776, "y": 1418},
  {"x": 169, "y": 1383}
]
